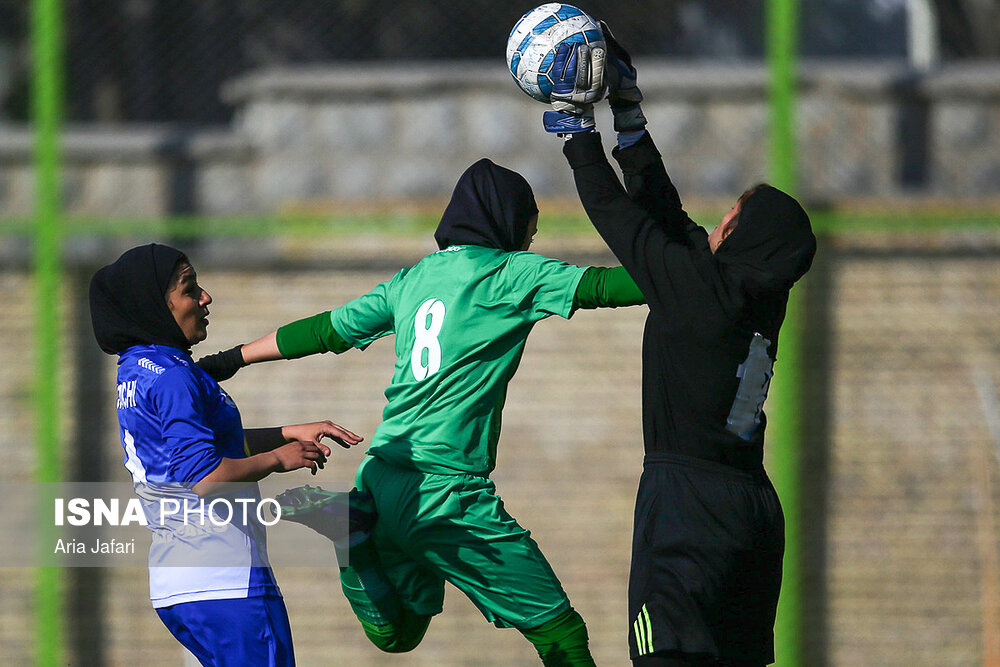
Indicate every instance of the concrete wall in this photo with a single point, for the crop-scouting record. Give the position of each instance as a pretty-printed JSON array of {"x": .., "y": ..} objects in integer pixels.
[{"x": 315, "y": 137}]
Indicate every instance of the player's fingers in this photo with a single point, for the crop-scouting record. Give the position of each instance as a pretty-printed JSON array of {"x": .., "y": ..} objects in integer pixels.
[
  {"x": 341, "y": 435},
  {"x": 347, "y": 441},
  {"x": 561, "y": 60},
  {"x": 610, "y": 40},
  {"x": 313, "y": 453},
  {"x": 320, "y": 446},
  {"x": 597, "y": 60},
  {"x": 582, "y": 55}
]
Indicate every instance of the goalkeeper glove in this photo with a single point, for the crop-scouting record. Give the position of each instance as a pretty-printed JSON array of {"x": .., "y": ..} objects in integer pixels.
[
  {"x": 222, "y": 365},
  {"x": 578, "y": 72},
  {"x": 623, "y": 93}
]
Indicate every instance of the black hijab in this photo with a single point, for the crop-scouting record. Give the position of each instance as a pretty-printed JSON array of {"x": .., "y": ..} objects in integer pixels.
[
  {"x": 128, "y": 300},
  {"x": 490, "y": 207}
]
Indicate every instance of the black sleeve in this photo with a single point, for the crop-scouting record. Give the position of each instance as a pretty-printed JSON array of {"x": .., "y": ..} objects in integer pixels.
[
  {"x": 649, "y": 186},
  {"x": 650, "y": 245}
]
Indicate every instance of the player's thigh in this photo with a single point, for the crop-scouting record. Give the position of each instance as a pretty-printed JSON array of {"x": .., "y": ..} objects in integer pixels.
[
  {"x": 748, "y": 611},
  {"x": 419, "y": 586},
  {"x": 706, "y": 566},
  {"x": 483, "y": 551},
  {"x": 398, "y": 500},
  {"x": 456, "y": 527}
]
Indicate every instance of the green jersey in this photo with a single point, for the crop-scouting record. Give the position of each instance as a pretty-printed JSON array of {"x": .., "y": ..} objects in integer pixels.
[{"x": 461, "y": 317}]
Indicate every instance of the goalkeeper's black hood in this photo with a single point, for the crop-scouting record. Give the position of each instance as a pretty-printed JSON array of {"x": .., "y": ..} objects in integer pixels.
[
  {"x": 490, "y": 207},
  {"x": 772, "y": 246},
  {"x": 128, "y": 300}
]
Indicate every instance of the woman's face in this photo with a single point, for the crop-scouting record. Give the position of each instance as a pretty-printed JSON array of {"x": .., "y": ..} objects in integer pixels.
[
  {"x": 531, "y": 231},
  {"x": 189, "y": 304}
]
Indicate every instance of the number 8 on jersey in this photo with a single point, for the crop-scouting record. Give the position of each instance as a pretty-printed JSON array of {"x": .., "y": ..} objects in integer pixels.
[{"x": 426, "y": 327}]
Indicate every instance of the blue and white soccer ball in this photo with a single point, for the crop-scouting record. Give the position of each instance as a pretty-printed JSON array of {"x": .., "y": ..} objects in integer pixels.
[{"x": 533, "y": 41}]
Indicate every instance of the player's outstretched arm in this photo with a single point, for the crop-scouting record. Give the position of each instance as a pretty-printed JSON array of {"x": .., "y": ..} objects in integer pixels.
[
  {"x": 310, "y": 335},
  {"x": 264, "y": 348},
  {"x": 260, "y": 440},
  {"x": 293, "y": 456},
  {"x": 224, "y": 365},
  {"x": 602, "y": 287}
]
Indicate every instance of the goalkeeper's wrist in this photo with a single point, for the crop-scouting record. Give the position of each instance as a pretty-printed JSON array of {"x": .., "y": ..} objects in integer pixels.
[{"x": 629, "y": 118}]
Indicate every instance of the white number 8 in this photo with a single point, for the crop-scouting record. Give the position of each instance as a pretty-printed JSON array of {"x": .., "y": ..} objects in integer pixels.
[{"x": 426, "y": 327}]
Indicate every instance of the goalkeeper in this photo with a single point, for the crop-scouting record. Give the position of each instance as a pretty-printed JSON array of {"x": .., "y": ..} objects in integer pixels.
[
  {"x": 708, "y": 535},
  {"x": 460, "y": 318}
]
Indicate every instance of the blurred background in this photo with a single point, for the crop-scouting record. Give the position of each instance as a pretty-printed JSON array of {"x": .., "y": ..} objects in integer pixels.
[{"x": 302, "y": 152}]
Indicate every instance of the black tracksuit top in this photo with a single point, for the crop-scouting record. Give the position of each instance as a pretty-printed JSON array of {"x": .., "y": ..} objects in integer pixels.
[{"x": 699, "y": 327}]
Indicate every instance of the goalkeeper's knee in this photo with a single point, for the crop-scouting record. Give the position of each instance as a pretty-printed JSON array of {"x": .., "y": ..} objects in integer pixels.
[
  {"x": 400, "y": 636},
  {"x": 562, "y": 642}
]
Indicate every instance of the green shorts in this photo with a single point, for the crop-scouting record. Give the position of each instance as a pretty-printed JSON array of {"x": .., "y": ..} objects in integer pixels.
[{"x": 434, "y": 528}]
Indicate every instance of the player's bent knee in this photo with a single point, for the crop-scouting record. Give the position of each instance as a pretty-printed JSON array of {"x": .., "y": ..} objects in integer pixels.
[
  {"x": 402, "y": 636},
  {"x": 562, "y": 642}
]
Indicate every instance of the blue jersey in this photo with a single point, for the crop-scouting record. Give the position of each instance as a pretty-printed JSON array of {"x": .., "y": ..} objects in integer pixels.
[{"x": 176, "y": 425}]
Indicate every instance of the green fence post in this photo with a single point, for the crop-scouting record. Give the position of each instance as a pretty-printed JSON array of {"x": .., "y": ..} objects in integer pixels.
[
  {"x": 46, "y": 36},
  {"x": 784, "y": 428},
  {"x": 782, "y": 28},
  {"x": 784, "y": 431}
]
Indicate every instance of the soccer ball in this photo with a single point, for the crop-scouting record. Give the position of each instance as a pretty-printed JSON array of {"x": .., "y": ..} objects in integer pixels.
[{"x": 532, "y": 44}]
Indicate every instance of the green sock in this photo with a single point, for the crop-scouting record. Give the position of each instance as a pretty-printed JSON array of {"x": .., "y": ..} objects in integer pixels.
[{"x": 562, "y": 642}]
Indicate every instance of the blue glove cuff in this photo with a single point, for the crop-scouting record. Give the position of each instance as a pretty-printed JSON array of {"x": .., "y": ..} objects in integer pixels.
[
  {"x": 626, "y": 139},
  {"x": 557, "y": 122}
]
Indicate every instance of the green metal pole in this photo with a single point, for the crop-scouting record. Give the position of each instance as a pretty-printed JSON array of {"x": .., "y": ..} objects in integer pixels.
[
  {"x": 782, "y": 47},
  {"x": 785, "y": 409},
  {"x": 46, "y": 34},
  {"x": 784, "y": 429}
]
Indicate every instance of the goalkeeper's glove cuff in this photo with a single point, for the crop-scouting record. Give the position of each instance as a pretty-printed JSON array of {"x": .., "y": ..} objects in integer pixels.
[
  {"x": 626, "y": 139},
  {"x": 561, "y": 123}
]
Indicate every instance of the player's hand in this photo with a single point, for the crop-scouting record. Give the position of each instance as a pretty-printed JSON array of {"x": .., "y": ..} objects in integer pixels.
[
  {"x": 222, "y": 365},
  {"x": 624, "y": 95},
  {"x": 315, "y": 432},
  {"x": 578, "y": 72},
  {"x": 296, "y": 455}
]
